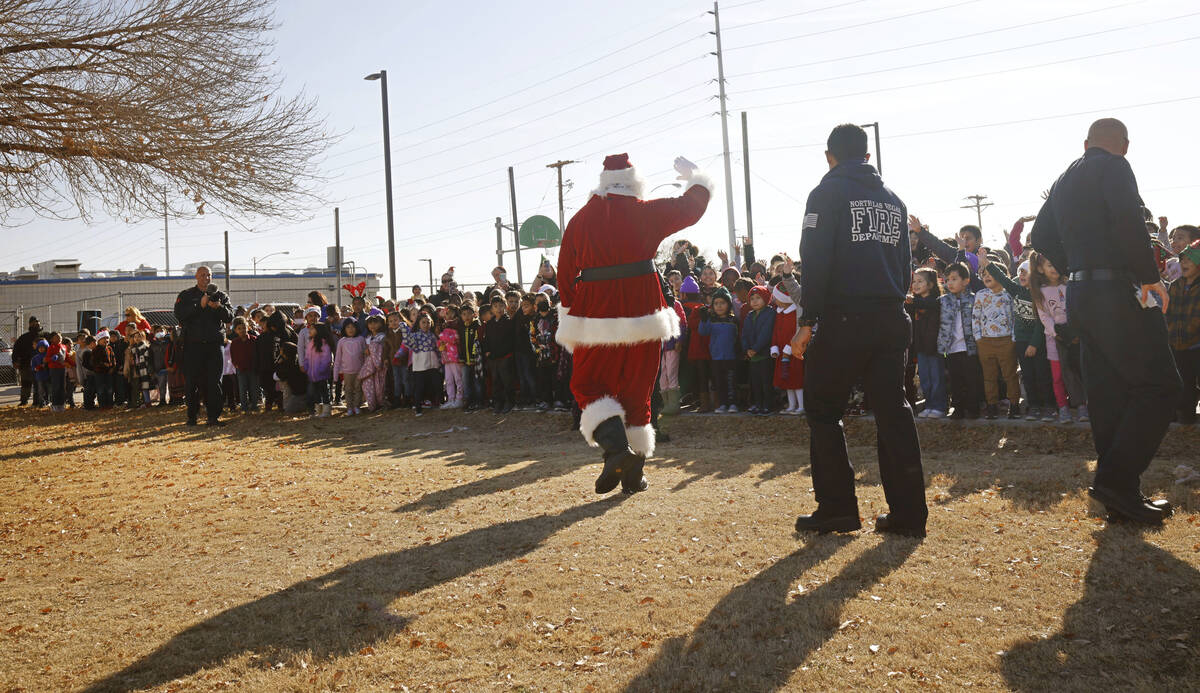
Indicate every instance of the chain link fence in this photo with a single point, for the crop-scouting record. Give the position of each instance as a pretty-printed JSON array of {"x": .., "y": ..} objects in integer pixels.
[{"x": 10, "y": 329}]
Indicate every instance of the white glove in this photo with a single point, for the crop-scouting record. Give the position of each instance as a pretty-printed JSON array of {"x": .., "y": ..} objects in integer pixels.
[
  {"x": 685, "y": 168},
  {"x": 774, "y": 352}
]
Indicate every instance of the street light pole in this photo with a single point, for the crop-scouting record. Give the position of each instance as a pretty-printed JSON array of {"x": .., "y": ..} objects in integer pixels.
[
  {"x": 430, "y": 261},
  {"x": 387, "y": 175},
  {"x": 878, "y": 154},
  {"x": 256, "y": 260}
]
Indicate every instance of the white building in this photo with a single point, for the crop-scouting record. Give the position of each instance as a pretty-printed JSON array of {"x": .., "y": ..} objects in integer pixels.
[{"x": 56, "y": 290}]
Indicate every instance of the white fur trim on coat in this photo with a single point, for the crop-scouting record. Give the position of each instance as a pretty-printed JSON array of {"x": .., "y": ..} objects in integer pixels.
[
  {"x": 576, "y": 331},
  {"x": 703, "y": 180},
  {"x": 596, "y": 413},
  {"x": 624, "y": 182},
  {"x": 641, "y": 439}
]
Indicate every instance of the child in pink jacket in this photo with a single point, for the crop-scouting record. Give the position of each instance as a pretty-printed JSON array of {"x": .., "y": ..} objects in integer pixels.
[
  {"x": 347, "y": 362},
  {"x": 448, "y": 346}
]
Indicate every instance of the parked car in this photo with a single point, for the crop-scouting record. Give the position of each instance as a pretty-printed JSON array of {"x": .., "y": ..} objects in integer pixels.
[{"x": 8, "y": 374}]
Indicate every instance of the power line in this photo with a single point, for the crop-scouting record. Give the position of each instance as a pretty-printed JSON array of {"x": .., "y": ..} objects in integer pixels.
[
  {"x": 981, "y": 126},
  {"x": 968, "y": 56},
  {"x": 993, "y": 73},
  {"x": 852, "y": 26},
  {"x": 794, "y": 14},
  {"x": 935, "y": 42}
]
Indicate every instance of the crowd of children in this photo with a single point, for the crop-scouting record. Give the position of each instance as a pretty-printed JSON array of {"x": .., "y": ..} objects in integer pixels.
[{"x": 990, "y": 338}]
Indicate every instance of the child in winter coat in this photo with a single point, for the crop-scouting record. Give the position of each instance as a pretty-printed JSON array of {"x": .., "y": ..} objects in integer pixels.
[
  {"x": 370, "y": 374},
  {"x": 957, "y": 340},
  {"x": 41, "y": 372},
  {"x": 422, "y": 343},
  {"x": 721, "y": 328},
  {"x": 104, "y": 365},
  {"x": 449, "y": 348},
  {"x": 241, "y": 353},
  {"x": 925, "y": 309},
  {"x": 756, "y": 340},
  {"x": 789, "y": 371},
  {"x": 56, "y": 365},
  {"x": 159, "y": 349},
  {"x": 1029, "y": 341},
  {"x": 992, "y": 326},
  {"x": 471, "y": 350},
  {"x": 1049, "y": 293},
  {"x": 347, "y": 362},
  {"x": 141, "y": 377},
  {"x": 318, "y": 365},
  {"x": 397, "y": 375},
  {"x": 698, "y": 356}
]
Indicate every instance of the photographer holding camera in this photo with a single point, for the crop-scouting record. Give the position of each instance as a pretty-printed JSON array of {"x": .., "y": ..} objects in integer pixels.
[{"x": 203, "y": 312}]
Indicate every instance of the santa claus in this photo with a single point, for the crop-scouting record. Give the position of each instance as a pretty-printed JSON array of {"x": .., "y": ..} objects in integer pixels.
[{"x": 613, "y": 317}]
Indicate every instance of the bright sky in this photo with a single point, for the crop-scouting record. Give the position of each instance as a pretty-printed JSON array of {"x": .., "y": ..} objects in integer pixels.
[{"x": 972, "y": 96}]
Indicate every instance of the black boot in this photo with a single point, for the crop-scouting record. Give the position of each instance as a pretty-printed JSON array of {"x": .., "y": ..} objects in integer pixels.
[
  {"x": 632, "y": 479},
  {"x": 618, "y": 457}
]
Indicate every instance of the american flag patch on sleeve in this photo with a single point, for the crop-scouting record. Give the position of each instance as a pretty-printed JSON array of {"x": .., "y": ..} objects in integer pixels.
[{"x": 810, "y": 220}]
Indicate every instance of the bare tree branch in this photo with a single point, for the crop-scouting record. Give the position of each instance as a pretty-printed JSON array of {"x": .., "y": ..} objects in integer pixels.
[{"x": 103, "y": 105}]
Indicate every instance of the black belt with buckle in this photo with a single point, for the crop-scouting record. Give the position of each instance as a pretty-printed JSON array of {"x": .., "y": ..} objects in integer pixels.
[
  {"x": 1102, "y": 275},
  {"x": 626, "y": 271}
]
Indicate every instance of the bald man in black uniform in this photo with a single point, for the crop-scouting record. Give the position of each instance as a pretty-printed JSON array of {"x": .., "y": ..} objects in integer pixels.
[{"x": 1092, "y": 230}]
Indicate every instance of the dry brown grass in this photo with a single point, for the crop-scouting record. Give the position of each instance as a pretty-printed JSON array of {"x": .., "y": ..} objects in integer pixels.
[{"x": 382, "y": 552}]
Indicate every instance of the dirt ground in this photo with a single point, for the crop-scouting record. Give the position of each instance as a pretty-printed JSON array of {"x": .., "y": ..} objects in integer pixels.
[{"x": 467, "y": 552}]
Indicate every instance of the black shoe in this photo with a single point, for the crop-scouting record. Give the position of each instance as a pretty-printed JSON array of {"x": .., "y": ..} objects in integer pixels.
[
  {"x": 992, "y": 412},
  {"x": 618, "y": 457},
  {"x": 1162, "y": 504},
  {"x": 507, "y": 408},
  {"x": 823, "y": 524},
  {"x": 191, "y": 422},
  {"x": 883, "y": 523},
  {"x": 958, "y": 413},
  {"x": 1014, "y": 411},
  {"x": 1130, "y": 506},
  {"x": 632, "y": 480},
  {"x": 216, "y": 422}
]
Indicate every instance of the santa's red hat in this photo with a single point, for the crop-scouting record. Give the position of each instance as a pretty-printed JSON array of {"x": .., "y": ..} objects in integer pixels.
[{"x": 619, "y": 177}]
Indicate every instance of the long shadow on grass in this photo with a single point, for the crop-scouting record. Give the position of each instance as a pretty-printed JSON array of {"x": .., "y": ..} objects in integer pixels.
[
  {"x": 755, "y": 637},
  {"x": 343, "y": 611},
  {"x": 1137, "y": 626}
]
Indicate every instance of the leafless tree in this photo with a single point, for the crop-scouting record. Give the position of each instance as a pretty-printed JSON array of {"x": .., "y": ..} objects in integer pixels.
[{"x": 108, "y": 104}]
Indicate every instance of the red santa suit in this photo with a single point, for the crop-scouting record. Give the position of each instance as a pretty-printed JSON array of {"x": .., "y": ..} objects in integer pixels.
[
  {"x": 781, "y": 343},
  {"x": 615, "y": 327}
]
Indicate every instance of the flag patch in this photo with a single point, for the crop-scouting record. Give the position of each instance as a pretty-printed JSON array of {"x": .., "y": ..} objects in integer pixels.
[{"x": 810, "y": 220}]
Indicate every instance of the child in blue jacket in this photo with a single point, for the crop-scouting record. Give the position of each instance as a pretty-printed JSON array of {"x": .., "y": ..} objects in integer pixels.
[
  {"x": 720, "y": 326},
  {"x": 756, "y": 340}
]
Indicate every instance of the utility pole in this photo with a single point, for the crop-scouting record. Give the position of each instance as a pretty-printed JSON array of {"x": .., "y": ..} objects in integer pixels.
[
  {"x": 716, "y": 13},
  {"x": 166, "y": 236},
  {"x": 746, "y": 166},
  {"x": 512, "y": 192},
  {"x": 387, "y": 175},
  {"x": 559, "y": 165},
  {"x": 878, "y": 151},
  {"x": 337, "y": 252},
  {"x": 228, "y": 282},
  {"x": 499, "y": 242},
  {"x": 978, "y": 205}
]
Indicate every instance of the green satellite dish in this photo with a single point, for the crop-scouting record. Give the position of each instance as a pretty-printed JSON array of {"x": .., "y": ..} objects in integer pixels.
[{"x": 539, "y": 232}]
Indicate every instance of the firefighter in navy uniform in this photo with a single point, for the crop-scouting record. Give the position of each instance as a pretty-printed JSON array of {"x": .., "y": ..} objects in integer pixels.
[
  {"x": 856, "y": 272},
  {"x": 203, "y": 312},
  {"x": 1091, "y": 228}
]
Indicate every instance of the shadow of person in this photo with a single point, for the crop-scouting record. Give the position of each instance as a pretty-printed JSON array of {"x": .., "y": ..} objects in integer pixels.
[
  {"x": 1137, "y": 626},
  {"x": 541, "y": 470},
  {"x": 342, "y": 611},
  {"x": 754, "y": 638}
]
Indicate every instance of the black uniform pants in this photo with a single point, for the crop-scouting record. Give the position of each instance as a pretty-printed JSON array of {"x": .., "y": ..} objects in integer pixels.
[
  {"x": 1189, "y": 368},
  {"x": 202, "y": 366},
  {"x": 1129, "y": 376},
  {"x": 870, "y": 347},
  {"x": 25, "y": 377}
]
